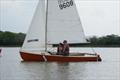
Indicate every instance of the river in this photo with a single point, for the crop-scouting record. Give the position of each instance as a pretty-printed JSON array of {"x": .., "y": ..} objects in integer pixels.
[{"x": 13, "y": 68}]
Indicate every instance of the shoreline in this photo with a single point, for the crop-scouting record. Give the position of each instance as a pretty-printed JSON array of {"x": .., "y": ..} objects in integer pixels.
[{"x": 107, "y": 46}]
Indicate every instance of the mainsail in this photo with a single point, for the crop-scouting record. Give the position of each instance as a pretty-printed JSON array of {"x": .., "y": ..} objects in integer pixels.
[
  {"x": 35, "y": 38},
  {"x": 64, "y": 22}
]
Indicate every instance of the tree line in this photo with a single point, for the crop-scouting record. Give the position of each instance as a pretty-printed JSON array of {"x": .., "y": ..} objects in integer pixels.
[
  {"x": 11, "y": 39},
  {"x": 16, "y": 39},
  {"x": 108, "y": 40}
]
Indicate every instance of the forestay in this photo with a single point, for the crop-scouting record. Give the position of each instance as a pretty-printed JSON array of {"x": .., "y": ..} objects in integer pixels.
[{"x": 63, "y": 22}]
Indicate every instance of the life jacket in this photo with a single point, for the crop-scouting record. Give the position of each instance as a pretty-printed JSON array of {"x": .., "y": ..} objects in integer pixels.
[{"x": 66, "y": 49}]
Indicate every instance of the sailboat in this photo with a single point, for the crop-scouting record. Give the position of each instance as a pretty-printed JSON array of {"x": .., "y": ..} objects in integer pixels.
[{"x": 53, "y": 22}]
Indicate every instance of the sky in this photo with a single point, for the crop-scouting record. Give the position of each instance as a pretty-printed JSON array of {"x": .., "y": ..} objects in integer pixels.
[{"x": 98, "y": 17}]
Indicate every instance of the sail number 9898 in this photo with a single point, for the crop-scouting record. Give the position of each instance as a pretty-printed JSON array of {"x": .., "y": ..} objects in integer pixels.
[{"x": 65, "y": 4}]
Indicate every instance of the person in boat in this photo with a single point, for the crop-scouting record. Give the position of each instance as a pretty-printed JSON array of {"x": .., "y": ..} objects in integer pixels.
[
  {"x": 65, "y": 48},
  {"x": 60, "y": 49}
]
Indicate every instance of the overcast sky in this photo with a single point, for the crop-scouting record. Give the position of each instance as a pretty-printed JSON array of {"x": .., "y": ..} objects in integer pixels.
[{"x": 98, "y": 17}]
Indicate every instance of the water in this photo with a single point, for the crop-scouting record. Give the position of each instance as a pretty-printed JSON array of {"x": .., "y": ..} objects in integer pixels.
[{"x": 11, "y": 67}]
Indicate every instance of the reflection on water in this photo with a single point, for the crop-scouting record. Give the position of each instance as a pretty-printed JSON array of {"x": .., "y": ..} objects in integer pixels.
[
  {"x": 47, "y": 70},
  {"x": 12, "y": 68},
  {"x": 53, "y": 71}
]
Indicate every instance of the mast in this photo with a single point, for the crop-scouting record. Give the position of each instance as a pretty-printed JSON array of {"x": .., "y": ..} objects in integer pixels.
[{"x": 46, "y": 25}]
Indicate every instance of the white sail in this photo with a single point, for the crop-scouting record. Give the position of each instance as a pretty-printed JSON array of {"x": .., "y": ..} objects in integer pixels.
[
  {"x": 63, "y": 22},
  {"x": 35, "y": 38}
]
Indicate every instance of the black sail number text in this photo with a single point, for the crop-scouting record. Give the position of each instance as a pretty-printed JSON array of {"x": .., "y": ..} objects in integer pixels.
[{"x": 65, "y": 4}]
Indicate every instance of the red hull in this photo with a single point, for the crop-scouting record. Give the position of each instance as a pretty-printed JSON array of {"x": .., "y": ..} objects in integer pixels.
[{"x": 58, "y": 58}]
